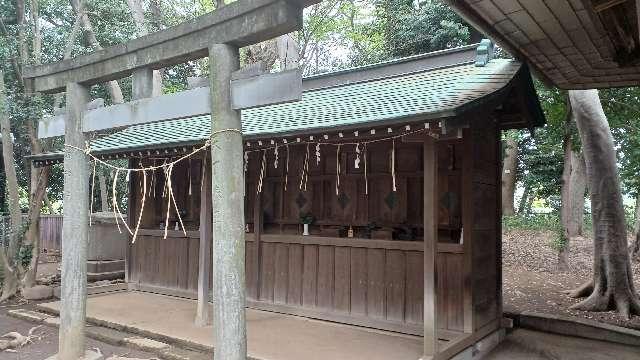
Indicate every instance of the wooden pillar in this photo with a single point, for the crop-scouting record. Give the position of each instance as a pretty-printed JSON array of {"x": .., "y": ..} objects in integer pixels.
[
  {"x": 229, "y": 290},
  {"x": 257, "y": 232},
  {"x": 430, "y": 247},
  {"x": 203, "y": 317},
  {"x": 75, "y": 229},
  {"x": 141, "y": 87},
  {"x": 467, "y": 227}
]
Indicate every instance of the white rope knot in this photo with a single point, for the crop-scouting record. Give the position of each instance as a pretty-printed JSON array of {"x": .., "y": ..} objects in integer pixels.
[{"x": 218, "y": 132}]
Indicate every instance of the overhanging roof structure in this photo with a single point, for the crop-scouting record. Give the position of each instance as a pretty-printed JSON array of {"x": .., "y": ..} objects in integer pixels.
[
  {"x": 409, "y": 90},
  {"x": 573, "y": 44}
]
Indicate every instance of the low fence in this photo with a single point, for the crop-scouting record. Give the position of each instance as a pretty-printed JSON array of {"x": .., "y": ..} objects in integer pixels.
[{"x": 50, "y": 231}]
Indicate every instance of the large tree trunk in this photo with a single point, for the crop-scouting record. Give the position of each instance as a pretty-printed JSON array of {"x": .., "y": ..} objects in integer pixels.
[
  {"x": 39, "y": 177},
  {"x": 112, "y": 86},
  {"x": 509, "y": 165},
  {"x": 137, "y": 12},
  {"x": 635, "y": 245},
  {"x": 572, "y": 194},
  {"x": 39, "y": 183},
  {"x": 10, "y": 283},
  {"x": 577, "y": 189},
  {"x": 3, "y": 187},
  {"x": 68, "y": 51},
  {"x": 612, "y": 285}
]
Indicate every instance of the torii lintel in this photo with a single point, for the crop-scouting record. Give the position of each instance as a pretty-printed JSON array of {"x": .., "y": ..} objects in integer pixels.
[{"x": 241, "y": 23}]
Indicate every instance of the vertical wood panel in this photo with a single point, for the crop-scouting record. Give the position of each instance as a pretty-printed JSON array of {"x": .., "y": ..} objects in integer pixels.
[
  {"x": 281, "y": 273},
  {"x": 376, "y": 283},
  {"x": 267, "y": 271},
  {"x": 325, "y": 276},
  {"x": 182, "y": 264},
  {"x": 342, "y": 293},
  {"x": 454, "y": 299},
  {"x": 309, "y": 275},
  {"x": 294, "y": 288},
  {"x": 415, "y": 294},
  {"x": 442, "y": 283},
  {"x": 430, "y": 297},
  {"x": 250, "y": 269},
  {"x": 395, "y": 270},
  {"x": 194, "y": 255},
  {"x": 358, "y": 281}
]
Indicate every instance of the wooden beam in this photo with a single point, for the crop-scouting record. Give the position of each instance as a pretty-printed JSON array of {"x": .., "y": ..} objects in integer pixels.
[
  {"x": 131, "y": 218},
  {"x": 241, "y": 23},
  {"x": 601, "y": 6},
  {"x": 467, "y": 229},
  {"x": 430, "y": 248},
  {"x": 203, "y": 317},
  {"x": 257, "y": 231}
]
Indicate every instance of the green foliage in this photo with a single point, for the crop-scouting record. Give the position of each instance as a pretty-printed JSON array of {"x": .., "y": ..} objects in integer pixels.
[
  {"x": 307, "y": 218},
  {"x": 541, "y": 153},
  {"x": 416, "y": 27},
  {"x": 623, "y": 113},
  {"x": 536, "y": 222}
]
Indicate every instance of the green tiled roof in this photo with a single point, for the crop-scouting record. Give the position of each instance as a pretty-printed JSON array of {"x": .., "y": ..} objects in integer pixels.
[
  {"x": 408, "y": 97},
  {"x": 429, "y": 94}
]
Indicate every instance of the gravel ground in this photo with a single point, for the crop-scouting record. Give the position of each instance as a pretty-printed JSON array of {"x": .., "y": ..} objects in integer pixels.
[{"x": 531, "y": 282}]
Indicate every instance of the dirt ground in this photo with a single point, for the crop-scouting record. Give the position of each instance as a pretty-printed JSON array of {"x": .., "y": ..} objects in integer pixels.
[
  {"x": 531, "y": 282},
  {"x": 524, "y": 344},
  {"x": 47, "y": 342}
]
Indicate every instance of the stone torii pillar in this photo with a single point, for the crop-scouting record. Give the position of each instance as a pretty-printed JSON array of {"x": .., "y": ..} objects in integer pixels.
[
  {"x": 228, "y": 209},
  {"x": 75, "y": 228},
  {"x": 218, "y": 34}
]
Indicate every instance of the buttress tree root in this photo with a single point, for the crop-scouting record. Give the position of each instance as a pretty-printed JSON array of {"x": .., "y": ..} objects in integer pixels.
[{"x": 612, "y": 285}]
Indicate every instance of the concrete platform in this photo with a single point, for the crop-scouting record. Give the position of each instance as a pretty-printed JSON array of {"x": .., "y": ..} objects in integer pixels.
[{"x": 270, "y": 336}]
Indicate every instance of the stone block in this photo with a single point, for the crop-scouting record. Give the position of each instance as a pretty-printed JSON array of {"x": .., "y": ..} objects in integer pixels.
[
  {"x": 88, "y": 355},
  {"x": 38, "y": 292},
  {"x": 29, "y": 315},
  {"x": 145, "y": 344}
]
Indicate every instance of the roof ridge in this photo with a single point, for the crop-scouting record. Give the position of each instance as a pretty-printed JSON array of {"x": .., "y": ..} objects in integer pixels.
[{"x": 394, "y": 61}]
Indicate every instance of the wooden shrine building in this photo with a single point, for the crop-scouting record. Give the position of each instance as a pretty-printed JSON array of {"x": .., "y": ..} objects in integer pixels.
[{"x": 396, "y": 168}]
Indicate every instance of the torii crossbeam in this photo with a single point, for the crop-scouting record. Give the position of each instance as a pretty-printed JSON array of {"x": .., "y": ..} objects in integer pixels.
[{"x": 217, "y": 35}]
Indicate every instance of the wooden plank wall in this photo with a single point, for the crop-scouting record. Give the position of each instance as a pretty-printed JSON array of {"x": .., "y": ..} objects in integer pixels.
[
  {"x": 282, "y": 209},
  {"x": 379, "y": 284},
  {"x": 372, "y": 286},
  {"x": 50, "y": 232},
  {"x": 485, "y": 237},
  {"x": 170, "y": 263}
]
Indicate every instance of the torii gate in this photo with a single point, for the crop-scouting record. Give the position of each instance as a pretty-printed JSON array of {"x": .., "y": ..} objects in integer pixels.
[{"x": 218, "y": 35}]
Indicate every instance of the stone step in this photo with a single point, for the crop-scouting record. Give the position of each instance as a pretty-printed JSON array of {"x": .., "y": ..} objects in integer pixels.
[
  {"x": 112, "y": 275},
  {"x": 98, "y": 289},
  {"x": 103, "y": 266},
  {"x": 116, "y": 337}
]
